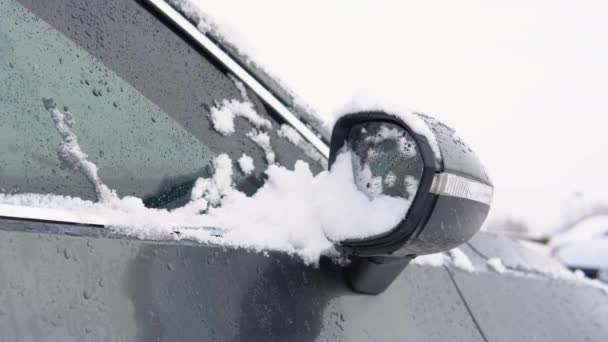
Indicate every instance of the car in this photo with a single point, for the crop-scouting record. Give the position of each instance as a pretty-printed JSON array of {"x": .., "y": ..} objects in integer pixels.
[
  {"x": 132, "y": 85},
  {"x": 584, "y": 247}
]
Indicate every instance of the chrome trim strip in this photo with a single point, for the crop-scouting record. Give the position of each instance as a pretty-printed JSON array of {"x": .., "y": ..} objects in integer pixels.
[
  {"x": 266, "y": 96},
  {"x": 449, "y": 184},
  {"x": 49, "y": 214}
]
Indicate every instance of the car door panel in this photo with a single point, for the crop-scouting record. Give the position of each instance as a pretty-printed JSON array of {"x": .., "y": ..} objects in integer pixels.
[
  {"x": 519, "y": 307},
  {"x": 58, "y": 286}
]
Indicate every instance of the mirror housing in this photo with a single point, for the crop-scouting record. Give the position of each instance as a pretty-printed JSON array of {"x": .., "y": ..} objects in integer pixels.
[{"x": 450, "y": 205}]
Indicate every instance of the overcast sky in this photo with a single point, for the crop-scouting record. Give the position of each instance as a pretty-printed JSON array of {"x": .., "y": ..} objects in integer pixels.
[{"x": 524, "y": 82}]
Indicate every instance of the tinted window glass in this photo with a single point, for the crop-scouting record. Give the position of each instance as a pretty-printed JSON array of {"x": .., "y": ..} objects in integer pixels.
[{"x": 139, "y": 96}]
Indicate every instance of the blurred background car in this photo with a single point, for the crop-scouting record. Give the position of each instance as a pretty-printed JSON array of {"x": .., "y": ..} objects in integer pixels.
[{"x": 584, "y": 246}]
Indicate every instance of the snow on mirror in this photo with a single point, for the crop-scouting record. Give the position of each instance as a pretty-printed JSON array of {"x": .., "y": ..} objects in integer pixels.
[{"x": 385, "y": 159}]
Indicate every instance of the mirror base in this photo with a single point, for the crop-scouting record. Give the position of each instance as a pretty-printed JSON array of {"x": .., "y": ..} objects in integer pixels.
[{"x": 373, "y": 275}]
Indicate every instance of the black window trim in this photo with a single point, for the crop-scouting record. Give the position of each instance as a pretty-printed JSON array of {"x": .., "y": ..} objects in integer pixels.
[{"x": 239, "y": 72}]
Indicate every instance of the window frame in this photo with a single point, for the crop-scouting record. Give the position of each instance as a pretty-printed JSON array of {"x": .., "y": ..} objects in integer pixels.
[{"x": 215, "y": 50}]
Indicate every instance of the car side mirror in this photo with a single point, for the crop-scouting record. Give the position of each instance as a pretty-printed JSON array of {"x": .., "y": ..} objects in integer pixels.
[{"x": 417, "y": 158}]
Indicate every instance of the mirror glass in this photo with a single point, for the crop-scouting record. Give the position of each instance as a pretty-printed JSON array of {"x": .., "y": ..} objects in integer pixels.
[{"x": 386, "y": 160}]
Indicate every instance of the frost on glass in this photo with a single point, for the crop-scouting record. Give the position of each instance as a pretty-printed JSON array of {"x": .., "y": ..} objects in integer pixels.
[{"x": 246, "y": 164}]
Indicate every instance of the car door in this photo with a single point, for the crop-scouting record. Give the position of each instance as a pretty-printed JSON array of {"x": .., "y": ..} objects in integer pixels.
[
  {"x": 138, "y": 96},
  {"x": 533, "y": 298}
]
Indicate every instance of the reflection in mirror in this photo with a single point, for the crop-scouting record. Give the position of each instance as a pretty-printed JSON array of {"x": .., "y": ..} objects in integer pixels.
[{"x": 386, "y": 160}]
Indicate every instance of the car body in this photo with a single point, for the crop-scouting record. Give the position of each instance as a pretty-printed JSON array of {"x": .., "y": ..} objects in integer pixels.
[{"x": 143, "y": 89}]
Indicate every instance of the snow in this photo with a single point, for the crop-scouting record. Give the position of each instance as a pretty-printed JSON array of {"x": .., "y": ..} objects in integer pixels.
[
  {"x": 215, "y": 188},
  {"x": 245, "y": 110},
  {"x": 315, "y": 211},
  {"x": 496, "y": 265},
  {"x": 586, "y": 254},
  {"x": 559, "y": 274},
  {"x": 246, "y": 164},
  {"x": 290, "y": 134},
  {"x": 407, "y": 148},
  {"x": 223, "y": 116},
  {"x": 241, "y": 87},
  {"x": 368, "y": 101},
  {"x": 294, "y": 211},
  {"x": 262, "y": 139},
  {"x": 433, "y": 260},
  {"x": 591, "y": 228},
  {"x": 411, "y": 184},
  {"x": 454, "y": 257},
  {"x": 460, "y": 260},
  {"x": 71, "y": 153},
  {"x": 390, "y": 179},
  {"x": 538, "y": 248},
  {"x": 584, "y": 245},
  {"x": 223, "y": 120},
  {"x": 457, "y": 258}
]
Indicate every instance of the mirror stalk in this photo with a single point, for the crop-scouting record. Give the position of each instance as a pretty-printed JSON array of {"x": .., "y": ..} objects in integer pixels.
[{"x": 373, "y": 275}]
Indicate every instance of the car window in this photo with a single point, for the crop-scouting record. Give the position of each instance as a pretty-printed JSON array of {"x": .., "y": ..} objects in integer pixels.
[{"x": 135, "y": 94}]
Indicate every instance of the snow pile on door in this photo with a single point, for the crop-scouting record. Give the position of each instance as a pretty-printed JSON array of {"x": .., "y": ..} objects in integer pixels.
[{"x": 295, "y": 211}]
